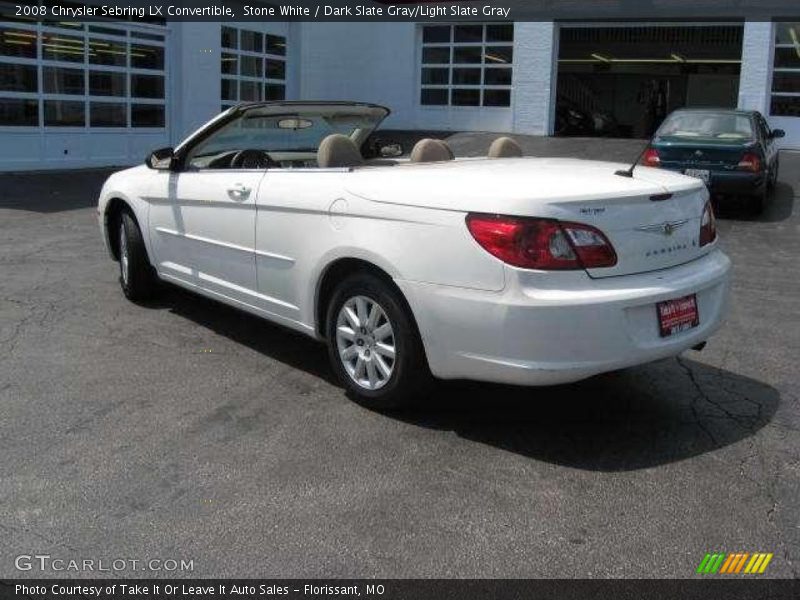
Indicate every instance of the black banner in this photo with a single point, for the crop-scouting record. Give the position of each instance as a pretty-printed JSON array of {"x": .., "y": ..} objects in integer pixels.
[
  {"x": 399, "y": 10},
  {"x": 744, "y": 588}
]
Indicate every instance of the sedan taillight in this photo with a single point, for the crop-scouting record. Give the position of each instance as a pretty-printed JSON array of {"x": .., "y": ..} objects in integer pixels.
[
  {"x": 708, "y": 226},
  {"x": 750, "y": 162},
  {"x": 546, "y": 244},
  {"x": 651, "y": 158}
]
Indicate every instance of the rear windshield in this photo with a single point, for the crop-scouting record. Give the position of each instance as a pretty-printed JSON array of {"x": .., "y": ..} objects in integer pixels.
[{"x": 708, "y": 126}]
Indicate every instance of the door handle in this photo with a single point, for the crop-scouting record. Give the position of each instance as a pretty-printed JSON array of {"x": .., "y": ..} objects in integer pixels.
[{"x": 239, "y": 192}]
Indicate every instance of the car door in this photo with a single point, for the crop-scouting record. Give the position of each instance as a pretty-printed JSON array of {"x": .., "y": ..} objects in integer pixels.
[
  {"x": 202, "y": 229},
  {"x": 202, "y": 216}
]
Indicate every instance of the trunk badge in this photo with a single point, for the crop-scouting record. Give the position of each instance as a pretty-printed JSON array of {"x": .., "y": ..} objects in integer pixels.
[{"x": 667, "y": 228}]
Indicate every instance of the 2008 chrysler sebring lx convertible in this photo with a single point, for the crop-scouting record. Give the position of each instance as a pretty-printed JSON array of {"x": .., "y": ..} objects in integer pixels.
[{"x": 530, "y": 271}]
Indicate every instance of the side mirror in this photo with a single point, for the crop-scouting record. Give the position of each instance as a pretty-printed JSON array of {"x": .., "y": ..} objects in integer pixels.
[
  {"x": 777, "y": 133},
  {"x": 161, "y": 159},
  {"x": 391, "y": 150}
]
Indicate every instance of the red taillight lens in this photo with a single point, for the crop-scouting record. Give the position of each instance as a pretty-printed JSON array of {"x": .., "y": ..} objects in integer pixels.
[
  {"x": 708, "y": 226},
  {"x": 750, "y": 162},
  {"x": 651, "y": 158},
  {"x": 544, "y": 244}
]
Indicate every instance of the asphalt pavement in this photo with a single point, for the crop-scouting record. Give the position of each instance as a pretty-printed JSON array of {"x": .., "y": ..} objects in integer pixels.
[{"x": 187, "y": 430}]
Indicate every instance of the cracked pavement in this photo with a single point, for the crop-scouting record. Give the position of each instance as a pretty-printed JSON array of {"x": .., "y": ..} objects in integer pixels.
[{"x": 185, "y": 429}]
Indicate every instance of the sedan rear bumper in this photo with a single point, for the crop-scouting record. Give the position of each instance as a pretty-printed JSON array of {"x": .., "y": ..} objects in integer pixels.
[
  {"x": 557, "y": 328},
  {"x": 734, "y": 182}
]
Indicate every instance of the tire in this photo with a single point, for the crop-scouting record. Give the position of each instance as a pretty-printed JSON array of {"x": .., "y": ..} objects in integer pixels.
[
  {"x": 773, "y": 175},
  {"x": 367, "y": 323},
  {"x": 136, "y": 276}
]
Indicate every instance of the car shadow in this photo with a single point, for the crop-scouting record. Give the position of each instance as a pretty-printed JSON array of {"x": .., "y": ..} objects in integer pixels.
[
  {"x": 627, "y": 420},
  {"x": 278, "y": 343},
  {"x": 633, "y": 419},
  {"x": 779, "y": 206}
]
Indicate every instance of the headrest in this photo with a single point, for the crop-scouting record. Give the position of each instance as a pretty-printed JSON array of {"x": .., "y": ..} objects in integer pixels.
[
  {"x": 338, "y": 150},
  {"x": 505, "y": 147},
  {"x": 429, "y": 150}
]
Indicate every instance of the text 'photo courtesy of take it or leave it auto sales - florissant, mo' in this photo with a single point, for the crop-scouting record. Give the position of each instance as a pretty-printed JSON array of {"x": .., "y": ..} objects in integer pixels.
[{"x": 76, "y": 94}]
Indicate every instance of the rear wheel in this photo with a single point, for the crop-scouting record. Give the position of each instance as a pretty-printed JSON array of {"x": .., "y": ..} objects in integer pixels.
[
  {"x": 373, "y": 344},
  {"x": 135, "y": 273},
  {"x": 773, "y": 174}
]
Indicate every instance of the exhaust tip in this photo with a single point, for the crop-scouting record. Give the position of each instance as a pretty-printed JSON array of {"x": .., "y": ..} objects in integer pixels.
[{"x": 699, "y": 347}]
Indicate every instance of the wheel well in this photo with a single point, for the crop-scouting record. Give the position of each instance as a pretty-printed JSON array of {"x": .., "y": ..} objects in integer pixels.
[
  {"x": 114, "y": 212},
  {"x": 342, "y": 268}
]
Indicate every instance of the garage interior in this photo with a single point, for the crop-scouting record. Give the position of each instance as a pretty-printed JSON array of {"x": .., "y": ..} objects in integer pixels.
[{"x": 622, "y": 81}]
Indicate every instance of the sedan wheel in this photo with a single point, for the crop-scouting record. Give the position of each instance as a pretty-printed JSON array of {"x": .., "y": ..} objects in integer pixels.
[
  {"x": 365, "y": 340},
  {"x": 374, "y": 344},
  {"x": 136, "y": 276}
]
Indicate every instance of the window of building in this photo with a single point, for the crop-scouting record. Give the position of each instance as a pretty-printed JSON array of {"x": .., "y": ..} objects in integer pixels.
[
  {"x": 252, "y": 66},
  {"x": 786, "y": 71},
  {"x": 56, "y": 74},
  {"x": 467, "y": 65}
]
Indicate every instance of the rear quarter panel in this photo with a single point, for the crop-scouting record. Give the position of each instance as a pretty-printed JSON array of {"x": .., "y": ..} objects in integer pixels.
[{"x": 306, "y": 221}]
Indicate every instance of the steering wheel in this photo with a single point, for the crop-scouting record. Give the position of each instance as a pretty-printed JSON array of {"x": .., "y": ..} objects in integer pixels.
[{"x": 251, "y": 159}]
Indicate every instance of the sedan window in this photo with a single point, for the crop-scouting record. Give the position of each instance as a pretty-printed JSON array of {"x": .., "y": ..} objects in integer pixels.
[{"x": 707, "y": 125}]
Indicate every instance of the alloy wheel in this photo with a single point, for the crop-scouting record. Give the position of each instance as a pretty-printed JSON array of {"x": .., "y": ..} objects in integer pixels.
[
  {"x": 124, "y": 259},
  {"x": 366, "y": 342}
]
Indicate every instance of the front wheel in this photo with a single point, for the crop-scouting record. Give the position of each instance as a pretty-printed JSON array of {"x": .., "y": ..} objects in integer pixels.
[
  {"x": 373, "y": 344},
  {"x": 135, "y": 273}
]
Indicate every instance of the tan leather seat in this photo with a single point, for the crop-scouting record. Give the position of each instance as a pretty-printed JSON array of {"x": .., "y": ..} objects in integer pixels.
[
  {"x": 505, "y": 147},
  {"x": 337, "y": 151},
  {"x": 430, "y": 150}
]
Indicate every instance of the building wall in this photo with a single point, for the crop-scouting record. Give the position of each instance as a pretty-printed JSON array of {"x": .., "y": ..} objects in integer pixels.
[
  {"x": 380, "y": 63},
  {"x": 367, "y": 62},
  {"x": 74, "y": 146},
  {"x": 535, "y": 76},
  {"x": 756, "y": 81},
  {"x": 192, "y": 97}
]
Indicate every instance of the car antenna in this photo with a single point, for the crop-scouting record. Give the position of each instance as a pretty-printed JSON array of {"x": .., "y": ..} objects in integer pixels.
[{"x": 629, "y": 172}]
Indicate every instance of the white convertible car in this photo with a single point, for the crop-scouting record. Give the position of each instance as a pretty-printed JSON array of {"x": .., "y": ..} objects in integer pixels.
[{"x": 530, "y": 271}]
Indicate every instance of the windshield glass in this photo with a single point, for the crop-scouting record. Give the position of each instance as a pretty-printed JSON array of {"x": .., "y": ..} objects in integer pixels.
[{"x": 707, "y": 126}]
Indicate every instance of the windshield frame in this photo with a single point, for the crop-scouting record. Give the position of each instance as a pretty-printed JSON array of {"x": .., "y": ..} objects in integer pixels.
[{"x": 289, "y": 109}]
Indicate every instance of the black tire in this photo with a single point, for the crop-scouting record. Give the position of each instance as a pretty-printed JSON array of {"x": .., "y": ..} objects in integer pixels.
[
  {"x": 136, "y": 275},
  {"x": 410, "y": 376},
  {"x": 772, "y": 182}
]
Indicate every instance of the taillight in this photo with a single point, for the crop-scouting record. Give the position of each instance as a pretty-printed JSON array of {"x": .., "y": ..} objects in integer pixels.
[
  {"x": 708, "y": 226},
  {"x": 544, "y": 244},
  {"x": 750, "y": 162},
  {"x": 651, "y": 158}
]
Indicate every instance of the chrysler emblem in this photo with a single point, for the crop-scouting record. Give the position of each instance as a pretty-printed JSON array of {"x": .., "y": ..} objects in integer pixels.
[
  {"x": 667, "y": 228},
  {"x": 698, "y": 153}
]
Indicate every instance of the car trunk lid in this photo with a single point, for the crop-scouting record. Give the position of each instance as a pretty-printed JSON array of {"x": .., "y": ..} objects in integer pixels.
[
  {"x": 652, "y": 219},
  {"x": 699, "y": 155}
]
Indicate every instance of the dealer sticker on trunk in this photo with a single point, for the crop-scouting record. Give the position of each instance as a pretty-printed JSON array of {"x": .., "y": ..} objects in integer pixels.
[{"x": 677, "y": 315}]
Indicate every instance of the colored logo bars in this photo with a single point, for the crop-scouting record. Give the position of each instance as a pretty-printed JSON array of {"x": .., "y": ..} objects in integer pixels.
[{"x": 736, "y": 563}]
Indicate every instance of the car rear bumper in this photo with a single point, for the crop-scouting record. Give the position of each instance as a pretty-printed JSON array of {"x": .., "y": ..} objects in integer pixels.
[
  {"x": 556, "y": 328},
  {"x": 737, "y": 183},
  {"x": 734, "y": 182}
]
